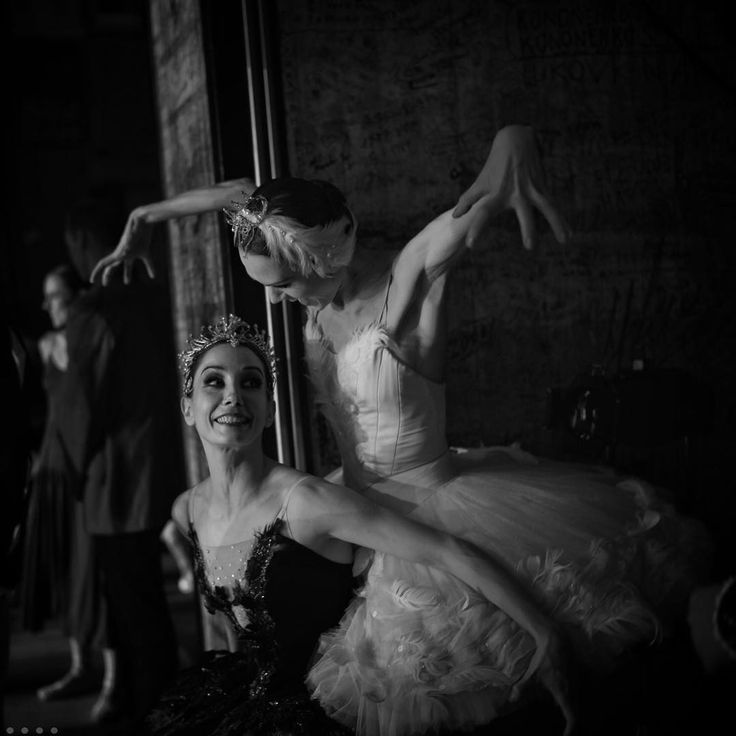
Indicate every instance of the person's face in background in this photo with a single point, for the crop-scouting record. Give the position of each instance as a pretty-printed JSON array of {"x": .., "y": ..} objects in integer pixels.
[{"x": 57, "y": 296}]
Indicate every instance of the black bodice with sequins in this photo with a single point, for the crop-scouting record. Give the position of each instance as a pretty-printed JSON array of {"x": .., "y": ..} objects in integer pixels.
[{"x": 278, "y": 603}]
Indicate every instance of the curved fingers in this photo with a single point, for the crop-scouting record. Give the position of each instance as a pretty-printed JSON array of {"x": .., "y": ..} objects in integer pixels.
[
  {"x": 467, "y": 199},
  {"x": 149, "y": 267},
  {"x": 107, "y": 273},
  {"x": 556, "y": 684},
  {"x": 525, "y": 216},
  {"x": 97, "y": 269},
  {"x": 103, "y": 267},
  {"x": 554, "y": 674},
  {"x": 481, "y": 216},
  {"x": 560, "y": 228},
  {"x": 534, "y": 664}
]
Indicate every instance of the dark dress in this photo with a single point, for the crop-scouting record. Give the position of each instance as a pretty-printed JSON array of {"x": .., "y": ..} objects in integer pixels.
[
  {"x": 279, "y": 600},
  {"x": 59, "y": 580},
  {"x": 49, "y": 523}
]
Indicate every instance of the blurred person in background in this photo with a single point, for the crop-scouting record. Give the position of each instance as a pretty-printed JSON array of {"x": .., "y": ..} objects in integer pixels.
[
  {"x": 118, "y": 438},
  {"x": 58, "y": 574}
]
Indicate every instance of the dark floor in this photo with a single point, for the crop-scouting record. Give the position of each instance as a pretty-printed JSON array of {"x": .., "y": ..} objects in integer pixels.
[
  {"x": 662, "y": 692},
  {"x": 39, "y": 659}
]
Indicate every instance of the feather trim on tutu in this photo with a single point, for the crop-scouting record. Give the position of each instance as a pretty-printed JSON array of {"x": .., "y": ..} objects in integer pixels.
[{"x": 418, "y": 647}]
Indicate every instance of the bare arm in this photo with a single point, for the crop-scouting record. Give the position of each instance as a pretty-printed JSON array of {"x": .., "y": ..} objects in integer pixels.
[
  {"x": 350, "y": 517},
  {"x": 326, "y": 510},
  {"x": 135, "y": 242},
  {"x": 180, "y": 512},
  {"x": 511, "y": 178},
  {"x": 46, "y": 346}
]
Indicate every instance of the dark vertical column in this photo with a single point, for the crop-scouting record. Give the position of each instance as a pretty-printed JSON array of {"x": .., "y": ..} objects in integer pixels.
[
  {"x": 269, "y": 161},
  {"x": 199, "y": 271}
]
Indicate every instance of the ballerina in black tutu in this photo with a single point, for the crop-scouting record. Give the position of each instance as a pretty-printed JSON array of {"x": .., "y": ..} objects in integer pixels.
[{"x": 273, "y": 551}]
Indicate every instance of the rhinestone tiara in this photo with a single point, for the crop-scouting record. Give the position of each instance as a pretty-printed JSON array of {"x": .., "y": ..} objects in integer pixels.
[
  {"x": 244, "y": 217},
  {"x": 235, "y": 331}
]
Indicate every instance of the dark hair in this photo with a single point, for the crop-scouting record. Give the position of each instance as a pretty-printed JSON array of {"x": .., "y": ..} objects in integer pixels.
[
  {"x": 69, "y": 275},
  {"x": 311, "y": 202},
  {"x": 307, "y": 225}
]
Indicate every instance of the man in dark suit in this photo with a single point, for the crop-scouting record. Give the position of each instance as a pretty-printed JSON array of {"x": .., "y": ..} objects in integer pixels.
[{"x": 121, "y": 437}]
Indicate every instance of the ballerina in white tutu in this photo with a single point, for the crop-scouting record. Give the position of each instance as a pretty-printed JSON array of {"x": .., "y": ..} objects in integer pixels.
[{"x": 418, "y": 650}]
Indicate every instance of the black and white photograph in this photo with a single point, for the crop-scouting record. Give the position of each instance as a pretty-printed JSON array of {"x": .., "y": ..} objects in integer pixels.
[{"x": 371, "y": 368}]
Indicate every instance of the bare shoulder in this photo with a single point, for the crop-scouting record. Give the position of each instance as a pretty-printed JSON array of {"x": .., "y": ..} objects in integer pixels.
[
  {"x": 312, "y": 511},
  {"x": 180, "y": 510},
  {"x": 303, "y": 491},
  {"x": 318, "y": 499},
  {"x": 46, "y": 345},
  {"x": 409, "y": 272}
]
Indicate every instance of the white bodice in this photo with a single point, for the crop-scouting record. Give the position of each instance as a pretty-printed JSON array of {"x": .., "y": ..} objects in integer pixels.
[{"x": 387, "y": 417}]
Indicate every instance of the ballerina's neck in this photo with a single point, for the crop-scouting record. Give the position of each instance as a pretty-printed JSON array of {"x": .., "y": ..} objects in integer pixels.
[
  {"x": 236, "y": 484},
  {"x": 358, "y": 303}
]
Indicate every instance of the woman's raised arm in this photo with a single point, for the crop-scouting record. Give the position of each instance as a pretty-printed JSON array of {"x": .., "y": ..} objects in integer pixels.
[
  {"x": 511, "y": 179},
  {"x": 135, "y": 242}
]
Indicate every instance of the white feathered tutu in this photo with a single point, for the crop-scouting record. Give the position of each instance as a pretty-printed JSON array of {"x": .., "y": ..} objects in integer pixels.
[{"x": 418, "y": 650}]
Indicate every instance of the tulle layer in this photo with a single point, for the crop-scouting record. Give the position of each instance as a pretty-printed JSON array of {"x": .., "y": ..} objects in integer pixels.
[{"x": 418, "y": 650}]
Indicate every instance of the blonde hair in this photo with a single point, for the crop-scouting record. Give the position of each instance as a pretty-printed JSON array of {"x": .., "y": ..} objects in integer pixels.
[{"x": 321, "y": 249}]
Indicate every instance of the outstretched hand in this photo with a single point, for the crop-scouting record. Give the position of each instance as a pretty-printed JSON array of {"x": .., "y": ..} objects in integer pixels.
[
  {"x": 550, "y": 665},
  {"x": 511, "y": 178},
  {"x": 134, "y": 244}
]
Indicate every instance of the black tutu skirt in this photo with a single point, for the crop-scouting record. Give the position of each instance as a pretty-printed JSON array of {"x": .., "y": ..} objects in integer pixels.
[{"x": 227, "y": 695}]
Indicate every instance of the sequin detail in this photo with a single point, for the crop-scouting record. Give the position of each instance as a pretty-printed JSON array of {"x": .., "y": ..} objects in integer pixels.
[
  {"x": 248, "y": 593},
  {"x": 291, "y": 595}
]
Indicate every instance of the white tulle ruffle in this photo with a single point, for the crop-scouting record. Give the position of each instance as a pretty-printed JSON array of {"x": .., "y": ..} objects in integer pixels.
[{"x": 419, "y": 650}]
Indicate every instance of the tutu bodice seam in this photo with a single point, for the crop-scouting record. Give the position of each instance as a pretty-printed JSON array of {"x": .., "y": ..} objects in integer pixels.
[{"x": 377, "y": 435}]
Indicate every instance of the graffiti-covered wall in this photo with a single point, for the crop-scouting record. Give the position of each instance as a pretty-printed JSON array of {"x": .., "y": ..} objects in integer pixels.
[{"x": 634, "y": 106}]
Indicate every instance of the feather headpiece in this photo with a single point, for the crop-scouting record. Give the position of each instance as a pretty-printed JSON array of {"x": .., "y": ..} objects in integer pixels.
[
  {"x": 244, "y": 219},
  {"x": 321, "y": 249}
]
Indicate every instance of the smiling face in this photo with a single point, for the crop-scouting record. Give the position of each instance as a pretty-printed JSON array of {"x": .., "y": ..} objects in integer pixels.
[
  {"x": 230, "y": 404},
  {"x": 284, "y": 283}
]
